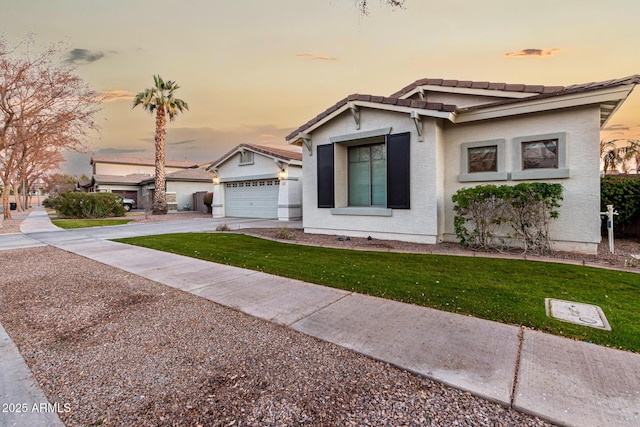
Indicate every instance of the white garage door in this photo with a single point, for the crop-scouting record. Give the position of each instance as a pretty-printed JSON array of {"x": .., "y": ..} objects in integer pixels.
[{"x": 252, "y": 199}]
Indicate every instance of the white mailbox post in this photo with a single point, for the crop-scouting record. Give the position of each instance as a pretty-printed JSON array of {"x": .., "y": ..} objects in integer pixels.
[{"x": 610, "y": 213}]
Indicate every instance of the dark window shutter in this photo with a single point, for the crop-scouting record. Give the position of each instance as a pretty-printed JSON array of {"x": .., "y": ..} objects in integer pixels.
[
  {"x": 398, "y": 174},
  {"x": 325, "y": 176}
]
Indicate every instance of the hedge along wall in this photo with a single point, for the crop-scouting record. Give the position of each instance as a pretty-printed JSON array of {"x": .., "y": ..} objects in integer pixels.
[
  {"x": 623, "y": 192},
  {"x": 500, "y": 217},
  {"x": 88, "y": 205}
]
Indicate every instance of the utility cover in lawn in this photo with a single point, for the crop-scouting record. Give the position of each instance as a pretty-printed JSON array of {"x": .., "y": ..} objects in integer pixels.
[{"x": 578, "y": 313}]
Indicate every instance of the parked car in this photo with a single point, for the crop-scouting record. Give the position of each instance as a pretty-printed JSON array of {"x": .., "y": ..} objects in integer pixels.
[{"x": 128, "y": 204}]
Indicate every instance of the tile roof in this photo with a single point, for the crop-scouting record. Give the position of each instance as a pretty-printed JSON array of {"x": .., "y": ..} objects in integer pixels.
[
  {"x": 412, "y": 103},
  {"x": 192, "y": 174},
  {"x": 566, "y": 90},
  {"x": 468, "y": 84},
  {"x": 135, "y": 178},
  {"x": 281, "y": 153},
  {"x": 141, "y": 161},
  {"x": 536, "y": 91}
]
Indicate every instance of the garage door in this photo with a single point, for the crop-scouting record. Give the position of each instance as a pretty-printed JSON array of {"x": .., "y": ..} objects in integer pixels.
[{"x": 252, "y": 199}]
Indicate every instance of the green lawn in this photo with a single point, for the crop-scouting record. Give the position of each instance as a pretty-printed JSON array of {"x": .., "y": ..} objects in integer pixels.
[
  {"x": 84, "y": 223},
  {"x": 507, "y": 291}
]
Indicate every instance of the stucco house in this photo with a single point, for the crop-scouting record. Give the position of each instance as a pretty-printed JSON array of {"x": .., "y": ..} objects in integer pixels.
[
  {"x": 133, "y": 177},
  {"x": 255, "y": 181},
  {"x": 181, "y": 186},
  {"x": 387, "y": 167}
]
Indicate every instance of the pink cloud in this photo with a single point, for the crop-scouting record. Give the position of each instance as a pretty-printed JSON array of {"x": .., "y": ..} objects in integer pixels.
[
  {"x": 533, "y": 52},
  {"x": 116, "y": 95},
  {"x": 321, "y": 56}
]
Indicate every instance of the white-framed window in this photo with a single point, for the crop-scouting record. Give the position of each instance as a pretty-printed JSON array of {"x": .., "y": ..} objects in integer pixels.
[
  {"x": 482, "y": 161},
  {"x": 246, "y": 158},
  {"x": 540, "y": 157}
]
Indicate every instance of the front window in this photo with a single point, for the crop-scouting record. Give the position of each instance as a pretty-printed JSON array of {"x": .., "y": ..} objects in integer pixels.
[
  {"x": 483, "y": 159},
  {"x": 540, "y": 154},
  {"x": 368, "y": 175}
]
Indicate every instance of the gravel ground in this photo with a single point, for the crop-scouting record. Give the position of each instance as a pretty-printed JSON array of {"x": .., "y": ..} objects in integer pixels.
[{"x": 122, "y": 350}]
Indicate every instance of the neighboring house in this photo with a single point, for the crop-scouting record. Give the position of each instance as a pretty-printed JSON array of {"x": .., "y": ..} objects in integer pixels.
[
  {"x": 129, "y": 177},
  {"x": 387, "y": 167},
  {"x": 254, "y": 181},
  {"x": 134, "y": 165},
  {"x": 183, "y": 184}
]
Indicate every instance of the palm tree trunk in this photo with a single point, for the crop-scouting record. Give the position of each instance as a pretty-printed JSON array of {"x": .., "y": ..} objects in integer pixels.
[{"x": 160, "y": 194}]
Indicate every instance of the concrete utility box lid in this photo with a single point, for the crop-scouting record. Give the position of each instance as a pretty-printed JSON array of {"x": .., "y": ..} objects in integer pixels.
[{"x": 578, "y": 313}]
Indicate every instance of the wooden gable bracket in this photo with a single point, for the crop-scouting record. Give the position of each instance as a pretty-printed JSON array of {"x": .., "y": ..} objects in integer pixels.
[
  {"x": 421, "y": 93},
  {"x": 355, "y": 112},
  {"x": 306, "y": 141},
  {"x": 417, "y": 119}
]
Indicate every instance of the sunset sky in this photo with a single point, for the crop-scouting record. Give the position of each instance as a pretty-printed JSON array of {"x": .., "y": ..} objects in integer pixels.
[{"x": 254, "y": 70}]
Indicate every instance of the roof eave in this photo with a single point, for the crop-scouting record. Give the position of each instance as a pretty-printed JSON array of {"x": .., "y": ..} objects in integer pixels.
[
  {"x": 467, "y": 91},
  {"x": 446, "y": 115},
  {"x": 615, "y": 94}
]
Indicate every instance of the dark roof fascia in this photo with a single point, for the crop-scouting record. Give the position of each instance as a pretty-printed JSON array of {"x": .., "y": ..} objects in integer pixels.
[{"x": 473, "y": 85}]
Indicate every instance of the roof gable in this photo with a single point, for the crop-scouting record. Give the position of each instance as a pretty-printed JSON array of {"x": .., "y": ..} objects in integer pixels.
[
  {"x": 383, "y": 102},
  {"x": 281, "y": 154}
]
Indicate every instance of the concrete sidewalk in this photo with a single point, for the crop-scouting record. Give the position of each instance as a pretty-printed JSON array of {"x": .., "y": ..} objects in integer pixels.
[{"x": 564, "y": 381}]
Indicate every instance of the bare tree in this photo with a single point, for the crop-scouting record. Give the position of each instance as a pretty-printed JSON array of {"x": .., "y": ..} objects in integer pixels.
[
  {"x": 45, "y": 107},
  {"x": 363, "y": 5}
]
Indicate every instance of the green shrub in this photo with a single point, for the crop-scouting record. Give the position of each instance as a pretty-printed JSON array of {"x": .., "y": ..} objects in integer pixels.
[
  {"x": 89, "y": 205},
  {"x": 624, "y": 194},
  {"x": 484, "y": 208},
  {"x": 50, "y": 202},
  {"x": 492, "y": 217}
]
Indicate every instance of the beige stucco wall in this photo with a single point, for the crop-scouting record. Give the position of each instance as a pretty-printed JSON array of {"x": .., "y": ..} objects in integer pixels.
[
  {"x": 418, "y": 224},
  {"x": 435, "y": 166},
  {"x": 578, "y": 227},
  {"x": 184, "y": 191}
]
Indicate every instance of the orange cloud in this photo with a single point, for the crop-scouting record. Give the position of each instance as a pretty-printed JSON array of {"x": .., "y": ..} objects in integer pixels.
[
  {"x": 321, "y": 56},
  {"x": 533, "y": 52},
  {"x": 116, "y": 95}
]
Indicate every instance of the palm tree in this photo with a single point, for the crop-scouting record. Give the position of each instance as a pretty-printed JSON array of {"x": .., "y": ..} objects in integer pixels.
[
  {"x": 159, "y": 99},
  {"x": 633, "y": 154},
  {"x": 617, "y": 156}
]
